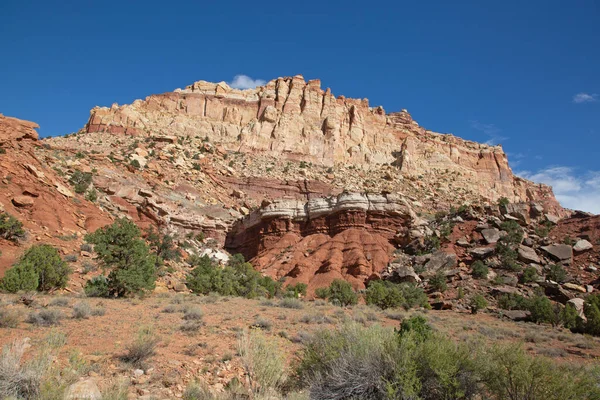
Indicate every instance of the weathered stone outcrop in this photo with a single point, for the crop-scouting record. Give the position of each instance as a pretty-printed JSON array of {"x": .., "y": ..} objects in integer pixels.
[
  {"x": 348, "y": 236},
  {"x": 295, "y": 119}
]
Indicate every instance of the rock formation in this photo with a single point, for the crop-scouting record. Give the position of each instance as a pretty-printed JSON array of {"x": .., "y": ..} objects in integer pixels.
[
  {"x": 293, "y": 119},
  {"x": 349, "y": 236},
  {"x": 35, "y": 195}
]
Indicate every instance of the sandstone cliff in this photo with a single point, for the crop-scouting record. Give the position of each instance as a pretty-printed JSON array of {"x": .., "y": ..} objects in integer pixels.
[
  {"x": 350, "y": 236},
  {"x": 297, "y": 120}
]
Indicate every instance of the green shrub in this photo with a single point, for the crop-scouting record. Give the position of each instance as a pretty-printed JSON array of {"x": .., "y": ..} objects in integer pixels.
[
  {"x": 556, "y": 273},
  {"x": 508, "y": 255},
  {"x": 416, "y": 325},
  {"x": 42, "y": 263},
  {"x": 10, "y": 227},
  {"x": 591, "y": 310},
  {"x": 322, "y": 292},
  {"x": 570, "y": 317},
  {"x": 354, "y": 362},
  {"x": 503, "y": 202},
  {"x": 478, "y": 302},
  {"x": 297, "y": 290},
  {"x": 529, "y": 275},
  {"x": 513, "y": 301},
  {"x": 80, "y": 181},
  {"x": 91, "y": 195},
  {"x": 135, "y": 164},
  {"x": 97, "y": 287},
  {"x": 438, "y": 282},
  {"x": 541, "y": 310},
  {"x": 384, "y": 295},
  {"x": 20, "y": 278},
  {"x": 514, "y": 232},
  {"x": 339, "y": 293},
  {"x": 479, "y": 269},
  {"x": 238, "y": 278},
  {"x": 163, "y": 245},
  {"x": 120, "y": 247}
]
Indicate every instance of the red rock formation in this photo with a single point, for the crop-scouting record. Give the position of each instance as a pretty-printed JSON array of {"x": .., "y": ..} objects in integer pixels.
[
  {"x": 36, "y": 195},
  {"x": 349, "y": 236}
]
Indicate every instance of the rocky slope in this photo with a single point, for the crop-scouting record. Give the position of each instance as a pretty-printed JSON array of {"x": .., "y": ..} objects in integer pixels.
[
  {"x": 37, "y": 196},
  {"x": 297, "y": 120}
]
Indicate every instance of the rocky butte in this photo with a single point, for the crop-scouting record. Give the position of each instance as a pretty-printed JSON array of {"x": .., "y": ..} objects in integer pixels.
[{"x": 297, "y": 120}]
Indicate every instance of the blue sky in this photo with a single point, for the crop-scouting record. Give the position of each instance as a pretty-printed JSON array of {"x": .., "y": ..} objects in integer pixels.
[{"x": 521, "y": 73}]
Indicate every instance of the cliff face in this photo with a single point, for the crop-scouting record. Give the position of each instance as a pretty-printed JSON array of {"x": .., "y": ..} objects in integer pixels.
[
  {"x": 350, "y": 236},
  {"x": 293, "y": 119}
]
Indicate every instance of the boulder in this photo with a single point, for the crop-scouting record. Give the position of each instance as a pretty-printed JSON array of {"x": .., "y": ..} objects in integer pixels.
[
  {"x": 85, "y": 389},
  {"x": 403, "y": 273},
  {"x": 582, "y": 245},
  {"x": 528, "y": 255},
  {"x": 491, "y": 235},
  {"x": 578, "y": 303},
  {"x": 559, "y": 252},
  {"x": 482, "y": 252},
  {"x": 577, "y": 288},
  {"x": 516, "y": 315},
  {"x": 440, "y": 260},
  {"x": 552, "y": 218},
  {"x": 22, "y": 201}
]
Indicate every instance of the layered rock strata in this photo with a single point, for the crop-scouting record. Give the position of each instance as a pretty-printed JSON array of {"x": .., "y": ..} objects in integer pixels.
[
  {"x": 350, "y": 236},
  {"x": 295, "y": 119}
]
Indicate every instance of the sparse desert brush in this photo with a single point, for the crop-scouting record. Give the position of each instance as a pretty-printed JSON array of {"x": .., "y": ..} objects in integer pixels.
[
  {"x": 82, "y": 310},
  {"x": 377, "y": 362},
  {"x": 290, "y": 302},
  {"x": 47, "y": 317},
  {"x": 264, "y": 362},
  {"x": 193, "y": 313},
  {"x": 263, "y": 323},
  {"x": 18, "y": 379},
  {"x": 59, "y": 302},
  {"x": 9, "y": 318},
  {"x": 142, "y": 348}
]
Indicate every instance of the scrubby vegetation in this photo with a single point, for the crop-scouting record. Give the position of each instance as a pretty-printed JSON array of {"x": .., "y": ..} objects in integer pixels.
[
  {"x": 141, "y": 348},
  {"x": 133, "y": 266},
  {"x": 40, "y": 268},
  {"x": 80, "y": 181},
  {"x": 339, "y": 293},
  {"x": 357, "y": 362},
  {"x": 479, "y": 269},
  {"x": 385, "y": 294},
  {"x": 163, "y": 246},
  {"x": 10, "y": 227},
  {"x": 237, "y": 278}
]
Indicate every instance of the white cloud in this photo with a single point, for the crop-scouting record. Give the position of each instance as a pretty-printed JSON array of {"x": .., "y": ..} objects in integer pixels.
[
  {"x": 245, "y": 82},
  {"x": 490, "y": 130},
  {"x": 585, "y": 98},
  {"x": 578, "y": 192}
]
